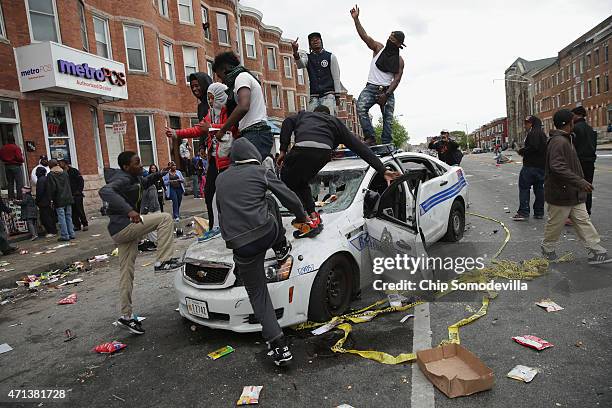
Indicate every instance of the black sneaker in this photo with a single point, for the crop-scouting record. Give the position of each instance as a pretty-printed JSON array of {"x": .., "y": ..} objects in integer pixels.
[
  {"x": 538, "y": 217},
  {"x": 132, "y": 325},
  {"x": 519, "y": 217},
  {"x": 170, "y": 264},
  {"x": 310, "y": 234},
  {"x": 282, "y": 253},
  {"x": 550, "y": 256},
  {"x": 599, "y": 258},
  {"x": 279, "y": 352}
]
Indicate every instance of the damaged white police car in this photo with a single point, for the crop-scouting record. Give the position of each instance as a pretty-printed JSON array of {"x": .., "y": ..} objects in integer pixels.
[{"x": 363, "y": 218}]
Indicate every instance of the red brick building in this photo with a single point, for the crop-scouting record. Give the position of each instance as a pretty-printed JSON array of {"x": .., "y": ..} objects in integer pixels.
[
  {"x": 69, "y": 110},
  {"x": 491, "y": 134}
]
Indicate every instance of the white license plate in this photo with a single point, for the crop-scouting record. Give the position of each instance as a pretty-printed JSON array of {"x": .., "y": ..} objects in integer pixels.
[{"x": 197, "y": 308}]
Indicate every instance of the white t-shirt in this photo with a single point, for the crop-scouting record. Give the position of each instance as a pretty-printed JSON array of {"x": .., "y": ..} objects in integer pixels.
[{"x": 257, "y": 110}]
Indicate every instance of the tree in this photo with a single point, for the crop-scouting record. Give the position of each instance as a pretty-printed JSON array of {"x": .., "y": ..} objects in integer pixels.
[
  {"x": 399, "y": 134},
  {"x": 460, "y": 137}
]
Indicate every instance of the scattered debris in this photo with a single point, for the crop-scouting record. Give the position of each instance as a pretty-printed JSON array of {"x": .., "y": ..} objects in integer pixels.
[
  {"x": 549, "y": 305},
  {"x": 579, "y": 344},
  {"x": 405, "y": 318},
  {"x": 59, "y": 246},
  {"x": 250, "y": 395},
  {"x": 507, "y": 210},
  {"x": 584, "y": 321},
  {"x": 115, "y": 252},
  {"x": 522, "y": 373},
  {"x": 147, "y": 264},
  {"x": 70, "y": 282},
  {"x": 4, "y": 348},
  {"x": 109, "y": 348},
  {"x": 4, "y": 263},
  {"x": 16, "y": 324},
  {"x": 69, "y": 335},
  {"x": 533, "y": 342},
  {"x": 96, "y": 235},
  {"x": 193, "y": 327},
  {"x": 326, "y": 327},
  {"x": 119, "y": 398},
  {"x": 24, "y": 252},
  {"x": 99, "y": 258},
  {"x": 223, "y": 351},
  {"x": 395, "y": 299},
  {"x": 68, "y": 300}
]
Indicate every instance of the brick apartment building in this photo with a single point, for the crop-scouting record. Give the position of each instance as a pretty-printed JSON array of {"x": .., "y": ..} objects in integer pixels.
[
  {"x": 578, "y": 76},
  {"x": 491, "y": 134},
  {"x": 75, "y": 72}
]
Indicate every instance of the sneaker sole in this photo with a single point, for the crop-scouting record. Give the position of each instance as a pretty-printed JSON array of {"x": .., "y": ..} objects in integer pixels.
[
  {"x": 123, "y": 326},
  {"x": 607, "y": 261},
  {"x": 283, "y": 362}
]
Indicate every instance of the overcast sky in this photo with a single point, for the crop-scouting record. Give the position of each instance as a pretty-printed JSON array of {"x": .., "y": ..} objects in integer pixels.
[{"x": 453, "y": 50}]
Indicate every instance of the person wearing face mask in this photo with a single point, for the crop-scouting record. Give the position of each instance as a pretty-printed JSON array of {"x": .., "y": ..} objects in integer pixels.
[
  {"x": 386, "y": 71},
  {"x": 217, "y": 151}
]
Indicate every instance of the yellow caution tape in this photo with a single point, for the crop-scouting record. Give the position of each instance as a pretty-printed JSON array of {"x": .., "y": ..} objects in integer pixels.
[
  {"x": 508, "y": 235},
  {"x": 453, "y": 329}
]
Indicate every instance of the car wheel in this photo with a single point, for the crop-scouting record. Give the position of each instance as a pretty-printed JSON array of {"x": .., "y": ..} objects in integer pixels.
[
  {"x": 456, "y": 222},
  {"x": 332, "y": 289}
]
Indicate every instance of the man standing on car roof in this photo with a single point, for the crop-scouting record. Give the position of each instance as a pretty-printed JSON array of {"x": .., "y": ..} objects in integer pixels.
[{"x": 317, "y": 134}]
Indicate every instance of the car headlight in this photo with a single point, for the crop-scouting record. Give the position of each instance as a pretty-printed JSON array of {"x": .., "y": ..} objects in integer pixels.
[{"x": 278, "y": 273}]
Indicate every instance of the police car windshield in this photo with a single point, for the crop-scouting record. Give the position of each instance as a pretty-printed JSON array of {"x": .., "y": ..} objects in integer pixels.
[{"x": 334, "y": 191}]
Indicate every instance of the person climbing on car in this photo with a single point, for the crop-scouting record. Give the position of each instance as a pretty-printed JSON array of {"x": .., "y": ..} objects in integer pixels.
[
  {"x": 317, "y": 134},
  {"x": 251, "y": 223}
]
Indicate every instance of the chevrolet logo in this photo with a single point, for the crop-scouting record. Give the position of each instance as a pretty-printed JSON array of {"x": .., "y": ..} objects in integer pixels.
[{"x": 201, "y": 274}]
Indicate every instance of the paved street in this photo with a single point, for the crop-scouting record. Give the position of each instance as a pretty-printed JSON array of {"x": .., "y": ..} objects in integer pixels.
[{"x": 167, "y": 367}]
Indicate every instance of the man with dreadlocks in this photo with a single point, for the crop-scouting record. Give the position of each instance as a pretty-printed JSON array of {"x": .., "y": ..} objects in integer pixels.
[
  {"x": 245, "y": 104},
  {"x": 323, "y": 73},
  {"x": 385, "y": 74}
]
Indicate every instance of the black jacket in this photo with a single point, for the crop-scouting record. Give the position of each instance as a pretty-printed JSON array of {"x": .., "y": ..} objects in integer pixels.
[
  {"x": 534, "y": 150},
  {"x": 43, "y": 199},
  {"x": 564, "y": 181},
  {"x": 447, "y": 151},
  {"x": 585, "y": 141},
  {"x": 77, "y": 183},
  {"x": 28, "y": 208},
  {"x": 204, "y": 80},
  {"x": 58, "y": 186},
  {"x": 320, "y": 130}
]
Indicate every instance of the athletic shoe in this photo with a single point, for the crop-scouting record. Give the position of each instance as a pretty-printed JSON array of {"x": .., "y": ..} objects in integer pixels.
[
  {"x": 210, "y": 234},
  {"x": 551, "y": 256},
  {"x": 316, "y": 219},
  {"x": 170, "y": 264},
  {"x": 177, "y": 219},
  {"x": 519, "y": 217},
  {"x": 282, "y": 253},
  {"x": 279, "y": 352},
  {"x": 310, "y": 233},
  {"x": 598, "y": 258},
  {"x": 132, "y": 325},
  {"x": 538, "y": 217},
  {"x": 50, "y": 236},
  {"x": 63, "y": 239},
  {"x": 147, "y": 246}
]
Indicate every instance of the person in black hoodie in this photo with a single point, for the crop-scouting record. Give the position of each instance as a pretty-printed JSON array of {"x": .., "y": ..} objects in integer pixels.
[
  {"x": 251, "y": 223},
  {"x": 199, "y": 83},
  {"x": 77, "y": 184},
  {"x": 43, "y": 201},
  {"x": 586, "y": 147},
  {"x": 532, "y": 173}
]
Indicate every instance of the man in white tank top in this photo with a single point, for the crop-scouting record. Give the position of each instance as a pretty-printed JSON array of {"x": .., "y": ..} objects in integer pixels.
[{"x": 386, "y": 71}]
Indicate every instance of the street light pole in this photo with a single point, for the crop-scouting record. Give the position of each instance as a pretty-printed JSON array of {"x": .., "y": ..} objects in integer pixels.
[{"x": 467, "y": 136}]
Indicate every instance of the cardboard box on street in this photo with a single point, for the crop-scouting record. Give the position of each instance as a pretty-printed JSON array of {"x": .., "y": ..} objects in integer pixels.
[{"x": 454, "y": 370}]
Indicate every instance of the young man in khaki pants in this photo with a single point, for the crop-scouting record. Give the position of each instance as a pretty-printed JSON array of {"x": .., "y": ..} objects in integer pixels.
[
  {"x": 565, "y": 192},
  {"x": 123, "y": 193}
]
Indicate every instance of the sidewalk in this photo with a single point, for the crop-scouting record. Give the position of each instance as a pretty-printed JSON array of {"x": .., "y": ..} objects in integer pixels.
[{"x": 96, "y": 241}]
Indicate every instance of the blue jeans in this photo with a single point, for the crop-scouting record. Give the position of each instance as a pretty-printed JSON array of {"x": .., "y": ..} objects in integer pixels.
[
  {"x": 326, "y": 100},
  {"x": 367, "y": 99},
  {"x": 531, "y": 176},
  {"x": 262, "y": 139},
  {"x": 196, "y": 185},
  {"x": 64, "y": 218},
  {"x": 176, "y": 195}
]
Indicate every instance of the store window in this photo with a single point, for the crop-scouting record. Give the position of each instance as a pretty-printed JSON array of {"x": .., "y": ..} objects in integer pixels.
[
  {"x": 249, "y": 40},
  {"x": 185, "y": 11},
  {"x": 190, "y": 61},
  {"x": 222, "y": 30},
  {"x": 145, "y": 135},
  {"x": 134, "y": 44},
  {"x": 205, "y": 22},
  {"x": 58, "y": 131},
  {"x": 42, "y": 16},
  {"x": 103, "y": 47},
  {"x": 169, "y": 63},
  {"x": 83, "y": 26},
  {"x": 114, "y": 141}
]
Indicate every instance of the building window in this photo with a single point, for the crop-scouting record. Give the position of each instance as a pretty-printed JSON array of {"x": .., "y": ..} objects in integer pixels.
[
  {"x": 83, "y": 26},
  {"x": 275, "y": 96},
  {"x": 272, "y": 58},
  {"x": 58, "y": 131},
  {"x": 249, "y": 41},
  {"x": 2, "y": 29},
  {"x": 581, "y": 63},
  {"x": 114, "y": 141},
  {"x": 43, "y": 20},
  {"x": 606, "y": 82},
  {"x": 222, "y": 30},
  {"x": 135, "y": 50},
  {"x": 205, "y": 22},
  {"x": 300, "y": 76},
  {"x": 606, "y": 57},
  {"x": 588, "y": 61},
  {"x": 169, "y": 62},
  {"x": 185, "y": 11},
  {"x": 287, "y": 66},
  {"x": 291, "y": 101},
  {"x": 163, "y": 7},
  {"x": 597, "y": 89},
  {"x": 303, "y": 103},
  {"x": 146, "y": 140},
  {"x": 596, "y": 57},
  {"x": 103, "y": 48},
  {"x": 575, "y": 93},
  {"x": 589, "y": 88},
  {"x": 209, "y": 70},
  {"x": 574, "y": 73},
  {"x": 190, "y": 61}
]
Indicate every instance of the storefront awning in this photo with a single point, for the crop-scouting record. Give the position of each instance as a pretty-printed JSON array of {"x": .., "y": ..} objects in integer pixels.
[{"x": 55, "y": 67}]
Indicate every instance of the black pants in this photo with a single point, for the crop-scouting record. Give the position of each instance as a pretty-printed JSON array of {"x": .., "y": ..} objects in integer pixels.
[
  {"x": 300, "y": 167},
  {"x": 47, "y": 219},
  {"x": 160, "y": 198},
  {"x": 249, "y": 261},
  {"x": 209, "y": 189},
  {"x": 14, "y": 179},
  {"x": 588, "y": 168},
  {"x": 78, "y": 213}
]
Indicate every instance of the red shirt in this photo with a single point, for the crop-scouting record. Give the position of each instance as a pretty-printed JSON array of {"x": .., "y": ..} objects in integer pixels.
[{"x": 10, "y": 154}]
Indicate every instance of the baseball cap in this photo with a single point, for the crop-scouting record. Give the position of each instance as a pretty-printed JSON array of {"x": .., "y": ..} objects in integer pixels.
[
  {"x": 562, "y": 118},
  {"x": 399, "y": 36}
]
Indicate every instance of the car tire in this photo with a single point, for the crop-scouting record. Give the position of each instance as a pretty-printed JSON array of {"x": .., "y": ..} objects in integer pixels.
[
  {"x": 331, "y": 290},
  {"x": 456, "y": 223}
]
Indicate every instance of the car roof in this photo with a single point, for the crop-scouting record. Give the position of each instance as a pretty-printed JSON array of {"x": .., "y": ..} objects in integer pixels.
[{"x": 359, "y": 164}]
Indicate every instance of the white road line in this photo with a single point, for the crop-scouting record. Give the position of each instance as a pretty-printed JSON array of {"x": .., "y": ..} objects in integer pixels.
[{"x": 422, "y": 395}]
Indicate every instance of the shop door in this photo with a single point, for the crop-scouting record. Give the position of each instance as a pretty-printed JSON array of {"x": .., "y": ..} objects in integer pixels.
[
  {"x": 59, "y": 135},
  {"x": 114, "y": 141},
  {"x": 9, "y": 127}
]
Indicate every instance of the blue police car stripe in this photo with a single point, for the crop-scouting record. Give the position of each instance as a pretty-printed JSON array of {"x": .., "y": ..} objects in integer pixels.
[{"x": 443, "y": 195}]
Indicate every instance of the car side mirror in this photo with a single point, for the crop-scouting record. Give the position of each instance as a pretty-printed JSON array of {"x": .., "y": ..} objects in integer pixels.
[{"x": 370, "y": 203}]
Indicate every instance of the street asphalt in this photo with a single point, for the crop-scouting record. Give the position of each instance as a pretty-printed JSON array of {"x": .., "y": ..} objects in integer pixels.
[{"x": 168, "y": 367}]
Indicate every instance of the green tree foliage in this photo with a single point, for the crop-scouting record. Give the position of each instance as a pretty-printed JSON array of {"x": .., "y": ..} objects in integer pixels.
[
  {"x": 399, "y": 133},
  {"x": 460, "y": 137}
]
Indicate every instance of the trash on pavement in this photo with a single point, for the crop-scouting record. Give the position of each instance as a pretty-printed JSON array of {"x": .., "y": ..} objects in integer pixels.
[
  {"x": 24, "y": 252},
  {"x": 50, "y": 251},
  {"x": 395, "y": 299},
  {"x": 223, "y": 351},
  {"x": 405, "y": 318},
  {"x": 109, "y": 348},
  {"x": 345, "y": 406},
  {"x": 507, "y": 210},
  {"x": 68, "y": 300},
  {"x": 4, "y": 302},
  {"x": 115, "y": 252},
  {"x": 4, "y": 263},
  {"x": 579, "y": 344},
  {"x": 522, "y": 373},
  {"x": 60, "y": 246},
  {"x": 15, "y": 324},
  {"x": 454, "y": 370},
  {"x": 533, "y": 342},
  {"x": 99, "y": 258},
  {"x": 326, "y": 327},
  {"x": 96, "y": 235},
  {"x": 5, "y": 348},
  {"x": 71, "y": 282},
  {"x": 250, "y": 395},
  {"x": 549, "y": 305},
  {"x": 69, "y": 335}
]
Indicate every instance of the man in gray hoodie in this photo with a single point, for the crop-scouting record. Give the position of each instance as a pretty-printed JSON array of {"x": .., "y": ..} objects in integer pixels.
[
  {"x": 251, "y": 223},
  {"x": 123, "y": 193}
]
